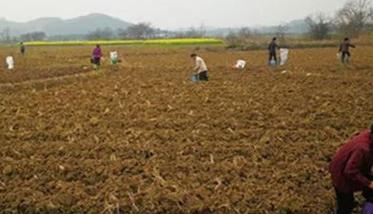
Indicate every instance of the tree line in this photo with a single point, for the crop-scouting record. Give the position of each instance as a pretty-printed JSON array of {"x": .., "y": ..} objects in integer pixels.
[
  {"x": 6, "y": 37},
  {"x": 144, "y": 31},
  {"x": 136, "y": 31},
  {"x": 353, "y": 19}
]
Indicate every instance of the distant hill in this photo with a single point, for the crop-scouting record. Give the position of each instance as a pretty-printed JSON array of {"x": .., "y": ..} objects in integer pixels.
[{"x": 57, "y": 26}]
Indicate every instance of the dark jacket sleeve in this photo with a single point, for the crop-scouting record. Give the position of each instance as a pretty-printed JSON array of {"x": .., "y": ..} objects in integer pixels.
[{"x": 353, "y": 166}]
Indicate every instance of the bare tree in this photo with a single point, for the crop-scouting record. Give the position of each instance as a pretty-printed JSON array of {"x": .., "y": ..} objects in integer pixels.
[
  {"x": 5, "y": 35},
  {"x": 33, "y": 36},
  {"x": 245, "y": 32},
  {"x": 241, "y": 38},
  {"x": 195, "y": 32},
  {"x": 319, "y": 26},
  {"x": 281, "y": 31},
  {"x": 138, "y": 31},
  {"x": 352, "y": 19}
]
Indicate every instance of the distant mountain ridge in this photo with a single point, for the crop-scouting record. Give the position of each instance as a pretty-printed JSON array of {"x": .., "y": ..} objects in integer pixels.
[
  {"x": 57, "y": 26},
  {"x": 83, "y": 25}
]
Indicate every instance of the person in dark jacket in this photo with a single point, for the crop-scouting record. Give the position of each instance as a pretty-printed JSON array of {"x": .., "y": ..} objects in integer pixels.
[
  {"x": 344, "y": 50},
  {"x": 22, "y": 48},
  {"x": 272, "y": 47},
  {"x": 350, "y": 170}
]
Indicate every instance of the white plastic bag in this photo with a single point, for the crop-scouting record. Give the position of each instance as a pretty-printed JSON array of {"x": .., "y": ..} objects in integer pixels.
[
  {"x": 241, "y": 64},
  {"x": 9, "y": 62},
  {"x": 284, "y": 55},
  {"x": 114, "y": 57},
  {"x": 339, "y": 56},
  {"x": 272, "y": 62}
]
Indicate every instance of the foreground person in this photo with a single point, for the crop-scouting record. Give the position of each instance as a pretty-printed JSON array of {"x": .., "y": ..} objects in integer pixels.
[
  {"x": 344, "y": 50},
  {"x": 201, "y": 68},
  {"x": 96, "y": 57},
  {"x": 350, "y": 169}
]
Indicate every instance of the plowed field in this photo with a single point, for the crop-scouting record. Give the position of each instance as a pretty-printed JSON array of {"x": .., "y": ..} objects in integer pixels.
[{"x": 141, "y": 138}]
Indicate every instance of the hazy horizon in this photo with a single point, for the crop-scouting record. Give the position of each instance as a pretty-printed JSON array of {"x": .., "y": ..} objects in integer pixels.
[{"x": 171, "y": 14}]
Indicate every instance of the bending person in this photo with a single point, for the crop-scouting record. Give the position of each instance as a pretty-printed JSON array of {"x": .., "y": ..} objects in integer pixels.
[
  {"x": 201, "y": 68},
  {"x": 350, "y": 170}
]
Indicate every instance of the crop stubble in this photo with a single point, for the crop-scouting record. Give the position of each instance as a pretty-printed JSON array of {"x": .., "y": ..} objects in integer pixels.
[{"x": 140, "y": 138}]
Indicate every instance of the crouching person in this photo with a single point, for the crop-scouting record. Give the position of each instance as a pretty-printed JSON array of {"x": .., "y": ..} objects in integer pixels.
[
  {"x": 201, "y": 68},
  {"x": 350, "y": 170}
]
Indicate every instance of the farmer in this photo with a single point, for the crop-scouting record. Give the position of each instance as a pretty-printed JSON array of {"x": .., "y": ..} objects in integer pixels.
[
  {"x": 96, "y": 57},
  {"x": 272, "y": 50},
  {"x": 22, "y": 49},
  {"x": 201, "y": 68},
  {"x": 350, "y": 168},
  {"x": 344, "y": 50}
]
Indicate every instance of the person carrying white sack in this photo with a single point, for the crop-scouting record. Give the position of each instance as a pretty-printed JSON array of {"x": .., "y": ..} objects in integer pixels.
[{"x": 272, "y": 47}]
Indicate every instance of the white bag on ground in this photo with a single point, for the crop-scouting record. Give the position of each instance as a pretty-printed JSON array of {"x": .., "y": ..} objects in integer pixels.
[
  {"x": 272, "y": 62},
  {"x": 114, "y": 57},
  {"x": 241, "y": 64},
  {"x": 284, "y": 55},
  {"x": 9, "y": 62}
]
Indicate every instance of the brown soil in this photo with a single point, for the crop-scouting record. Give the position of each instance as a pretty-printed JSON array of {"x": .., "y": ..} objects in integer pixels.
[{"x": 142, "y": 138}]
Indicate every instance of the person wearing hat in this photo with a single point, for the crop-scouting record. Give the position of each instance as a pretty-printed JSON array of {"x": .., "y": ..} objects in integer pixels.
[{"x": 350, "y": 170}]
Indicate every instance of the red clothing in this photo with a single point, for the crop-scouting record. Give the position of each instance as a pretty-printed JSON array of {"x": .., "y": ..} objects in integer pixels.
[{"x": 351, "y": 166}]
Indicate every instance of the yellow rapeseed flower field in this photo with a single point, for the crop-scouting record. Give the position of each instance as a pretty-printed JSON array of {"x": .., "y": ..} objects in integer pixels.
[{"x": 183, "y": 41}]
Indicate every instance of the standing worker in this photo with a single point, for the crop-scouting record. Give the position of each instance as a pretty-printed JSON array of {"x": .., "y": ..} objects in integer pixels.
[
  {"x": 22, "y": 49},
  {"x": 350, "y": 170},
  {"x": 344, "y": 50},
  {"x": 272, "y": 51},
  {"x": 201, "y": 68},
  {"x": 96, "y": 57}
]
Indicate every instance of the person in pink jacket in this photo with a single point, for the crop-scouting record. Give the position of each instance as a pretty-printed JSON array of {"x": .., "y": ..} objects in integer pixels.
[{"x": 96, "y": 57}]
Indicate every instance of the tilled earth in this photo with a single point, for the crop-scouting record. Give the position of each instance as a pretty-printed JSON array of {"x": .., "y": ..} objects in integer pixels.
[{"x": 141, "y": 138}]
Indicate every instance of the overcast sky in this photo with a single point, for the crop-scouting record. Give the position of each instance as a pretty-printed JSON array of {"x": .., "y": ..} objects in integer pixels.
[{"x": 171, "y": 14}]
